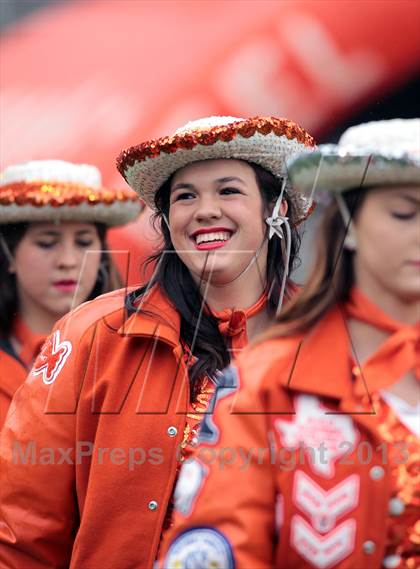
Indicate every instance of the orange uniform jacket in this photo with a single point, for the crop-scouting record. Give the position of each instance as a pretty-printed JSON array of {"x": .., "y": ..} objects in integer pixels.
[
  {"x": 94, "y": 431},
  {"x": 291, "y": 471},
  {"x": 12, "y": 375}
]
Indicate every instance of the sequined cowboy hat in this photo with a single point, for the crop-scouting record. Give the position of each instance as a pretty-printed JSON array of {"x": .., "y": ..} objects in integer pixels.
[
  {"x": 376, "y": 153},
  {"x": 266, "y": 141},
  {"x": 54, "y": 190}
]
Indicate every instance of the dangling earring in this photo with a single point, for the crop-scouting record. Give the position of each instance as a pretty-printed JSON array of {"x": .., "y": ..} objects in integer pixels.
[{"x": 350, "y": 241}]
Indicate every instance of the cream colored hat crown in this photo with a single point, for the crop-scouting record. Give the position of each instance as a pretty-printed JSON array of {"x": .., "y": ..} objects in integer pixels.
[
  {"x": 55, "y": 191},
  {"x": 267, "y": 141},
  {"x": 371, "y": 154},
  {"x": 57, "y": 170}
]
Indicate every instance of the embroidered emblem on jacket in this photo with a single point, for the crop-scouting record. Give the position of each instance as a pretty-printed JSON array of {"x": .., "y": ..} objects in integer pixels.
[
  {"x": 52, "y": 358},
  {"x": 324, "y": 507},
  {"x": 324, "y": 437},
  {"x": 199, "y": 547},
  {"x": 226, "y": 384},
  {"x": 322, "y": 551},
  {"x": 189, "y": 484}
]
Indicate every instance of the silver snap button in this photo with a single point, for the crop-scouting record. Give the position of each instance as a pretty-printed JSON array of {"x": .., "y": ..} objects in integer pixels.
[
  {"x": 194, "y": 441},
  {"x": 396, "y": 507},
  {"x": 172, "y": 431},
  {"x": 376, "y": 472},
  {"x": 153, "y": 505},
  {"x": 391, "y": 561},
  {"x": 369, "y": 547}
]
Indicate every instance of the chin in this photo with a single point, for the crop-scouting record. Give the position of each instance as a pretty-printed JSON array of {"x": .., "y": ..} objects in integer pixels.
[
  {"x": 64, "y": 307},
  {"x": 223, "y": 275},
  {"x": 409, "y": 294}
]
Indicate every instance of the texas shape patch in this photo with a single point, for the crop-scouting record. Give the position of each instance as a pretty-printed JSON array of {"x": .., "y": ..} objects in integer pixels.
[{"x": 52, "y": 358}]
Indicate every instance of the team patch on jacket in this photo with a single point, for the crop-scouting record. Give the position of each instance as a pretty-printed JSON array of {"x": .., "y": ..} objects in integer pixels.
[
  {"x": 51, "y": 359},
  {"x": 201, "y": 548},
  {"x": 189, "y": 484},
  {"x": 322, "y": 551},
  {"x": 324, "y": 507},
  {"x": 227, "y": 383},
  {"x": 323, "y": 437}
]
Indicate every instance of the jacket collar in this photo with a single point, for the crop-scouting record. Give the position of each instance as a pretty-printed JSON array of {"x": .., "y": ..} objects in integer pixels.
[
  {"x": 320, "y": 360},
  {"x": 155, "y": 317}
]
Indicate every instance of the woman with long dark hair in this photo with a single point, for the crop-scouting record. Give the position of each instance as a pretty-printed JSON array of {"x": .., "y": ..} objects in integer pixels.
[
  {"x": 134, "y": 373},
  {"x": 53, "y": 255},
  {"x": 311, "y": 457}
]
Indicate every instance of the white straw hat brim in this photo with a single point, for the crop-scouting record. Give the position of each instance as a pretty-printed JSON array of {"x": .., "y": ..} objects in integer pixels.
[
  {"x": 335, "y": 170},
  {"x": 112, "y": 215},
  {"x": 148, "y": 166}
]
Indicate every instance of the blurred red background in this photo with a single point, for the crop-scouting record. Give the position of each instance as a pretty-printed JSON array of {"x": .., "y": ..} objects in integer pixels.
[{"x": 83, "y": 80}]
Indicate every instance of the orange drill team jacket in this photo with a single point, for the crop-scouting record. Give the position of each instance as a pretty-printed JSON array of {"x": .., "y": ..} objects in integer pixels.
[
  {"x": 12, "y": 374},
  {"x": 292, "y": 472},
  {"x": 94, "y": 433}
]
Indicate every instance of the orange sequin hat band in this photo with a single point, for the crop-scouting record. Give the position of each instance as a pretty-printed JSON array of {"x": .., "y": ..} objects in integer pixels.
[
  {"x": 61, "y": 201},
  {"x": 56, "y": 191},
  {"x": 267, "y": 141}
]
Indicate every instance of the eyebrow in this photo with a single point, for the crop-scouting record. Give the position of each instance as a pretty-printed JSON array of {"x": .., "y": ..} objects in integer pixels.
[
  {"x": 411, "y": 199},
  {"x": 187, "y": 186},
  {"x": 229, "y": 179},
  {"x": 52, "y": 233}
]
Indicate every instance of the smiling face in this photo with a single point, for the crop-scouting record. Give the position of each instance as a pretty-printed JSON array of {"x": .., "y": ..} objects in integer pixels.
[
  {"x": 387, "y": 230},
  {"x": 216, "y": 219},
  {"x": 47, "y": 263}
]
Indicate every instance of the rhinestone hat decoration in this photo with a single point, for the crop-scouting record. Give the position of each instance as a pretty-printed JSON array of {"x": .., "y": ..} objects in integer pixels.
[
  {"x": 55, "y": 190},
  {"x": 267, "y": 141}
]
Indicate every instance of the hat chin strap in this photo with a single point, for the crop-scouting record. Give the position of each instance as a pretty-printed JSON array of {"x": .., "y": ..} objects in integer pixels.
[
  {"x": 277, "y": 224},
  {"x": 244, "y": 270}
]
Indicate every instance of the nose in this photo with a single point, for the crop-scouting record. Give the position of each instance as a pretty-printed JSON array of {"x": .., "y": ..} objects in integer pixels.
[
  {"x": 68, "y": 256},
  {"x": 208, "y": 207}
]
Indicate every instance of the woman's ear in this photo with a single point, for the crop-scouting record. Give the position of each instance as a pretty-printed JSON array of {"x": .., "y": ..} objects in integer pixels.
[{"x": 283, "y": 208}]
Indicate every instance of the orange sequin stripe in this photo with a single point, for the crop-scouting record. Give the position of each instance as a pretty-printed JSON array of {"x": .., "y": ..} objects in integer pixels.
[
  {"x": 208, "y": 136},
  {"x": 57, "y": 194}
]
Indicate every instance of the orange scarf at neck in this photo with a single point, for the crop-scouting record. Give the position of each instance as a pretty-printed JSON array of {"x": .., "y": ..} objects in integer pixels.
[
  {"x": 232, "y": 322},
  {"x": 399, "y": 353},
  {"x": 30, "y": 342}
]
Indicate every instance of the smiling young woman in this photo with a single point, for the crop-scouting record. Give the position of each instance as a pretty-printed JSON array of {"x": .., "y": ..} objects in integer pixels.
[
  {"x": 311, "y": 456},
  {"x": 53, "y": 255},
  {"x": 136, "y": 372}
]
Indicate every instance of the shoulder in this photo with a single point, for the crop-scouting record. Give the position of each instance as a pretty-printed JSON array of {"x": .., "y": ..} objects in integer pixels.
[
  {"x": 108, "y": 314},
  {"x": 12, "y": 371},
  {"x": 261, "y": 358},
  {"x": 107, "y": 307},
  {"x": 254, "y": 374}
]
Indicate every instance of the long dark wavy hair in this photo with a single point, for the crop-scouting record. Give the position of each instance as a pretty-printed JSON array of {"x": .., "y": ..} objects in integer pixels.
[
  {"x": 332, "y": 276},
  {"x": 108, "y": 278},
  {"x": 210, "y": 347}
]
